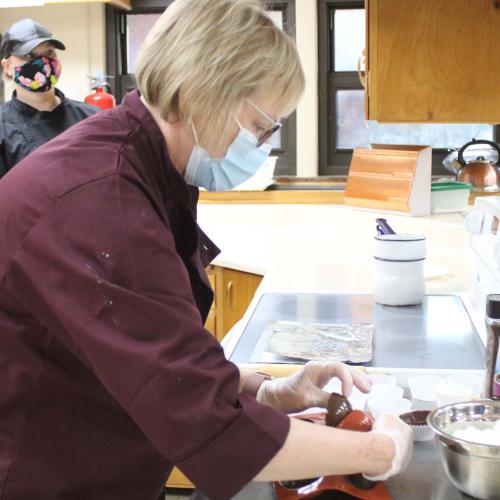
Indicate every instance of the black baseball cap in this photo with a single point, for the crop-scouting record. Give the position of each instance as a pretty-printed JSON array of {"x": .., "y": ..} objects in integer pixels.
[{"x": 23, "y": 36}]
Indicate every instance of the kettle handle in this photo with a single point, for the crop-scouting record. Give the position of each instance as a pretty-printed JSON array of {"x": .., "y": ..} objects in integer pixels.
[{"x": 473, "y": 142}]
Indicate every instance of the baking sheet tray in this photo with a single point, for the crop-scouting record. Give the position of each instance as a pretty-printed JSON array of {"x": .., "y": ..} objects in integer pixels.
[
  {"x": 298, "y": 341},
  {"x": 436, "y": 334}
]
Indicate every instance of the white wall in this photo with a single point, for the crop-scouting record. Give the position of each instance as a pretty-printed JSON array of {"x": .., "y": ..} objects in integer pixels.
[
  {"x": 307, "y": 112},
  {"x": 81, "y": 28}
]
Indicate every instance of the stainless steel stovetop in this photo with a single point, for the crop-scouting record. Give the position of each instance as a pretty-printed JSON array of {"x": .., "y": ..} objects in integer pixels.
[{"x": 438, "y": 334}]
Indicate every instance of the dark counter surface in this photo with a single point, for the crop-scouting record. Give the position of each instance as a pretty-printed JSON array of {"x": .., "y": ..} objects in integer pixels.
[{"x": 425, "y": 478}]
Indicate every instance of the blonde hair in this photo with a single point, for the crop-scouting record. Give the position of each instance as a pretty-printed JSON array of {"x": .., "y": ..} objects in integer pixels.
[{"x": 204, "y": 57}]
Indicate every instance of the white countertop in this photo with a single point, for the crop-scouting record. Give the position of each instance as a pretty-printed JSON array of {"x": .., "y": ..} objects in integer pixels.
[{"x": 326, "y": 248}]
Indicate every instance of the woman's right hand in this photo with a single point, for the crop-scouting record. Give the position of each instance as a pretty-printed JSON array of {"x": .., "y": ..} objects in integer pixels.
[{"x": 402, "y": 437}]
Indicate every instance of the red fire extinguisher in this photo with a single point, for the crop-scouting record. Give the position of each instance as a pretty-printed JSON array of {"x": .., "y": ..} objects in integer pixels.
[{"x": 99, "y": 97}]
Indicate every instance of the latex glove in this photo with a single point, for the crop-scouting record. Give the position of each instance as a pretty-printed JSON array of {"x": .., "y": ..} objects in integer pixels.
[
  {"x": 304, "y": 388},
  {"x": 402, "y": 436}
]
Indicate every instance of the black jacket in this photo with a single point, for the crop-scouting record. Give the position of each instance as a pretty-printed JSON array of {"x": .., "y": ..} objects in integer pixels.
[{"x": 24, "y": 129}]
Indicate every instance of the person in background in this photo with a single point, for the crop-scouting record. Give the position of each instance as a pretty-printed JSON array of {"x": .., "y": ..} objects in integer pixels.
[
  {"x": 108, "y": 376},
  {"x": 38, "y": 111}
]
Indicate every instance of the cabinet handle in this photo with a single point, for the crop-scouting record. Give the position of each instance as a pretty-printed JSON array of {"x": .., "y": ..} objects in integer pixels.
[
  {"x": 362, "y": 73},
  {"x": 229, "y": 293}
]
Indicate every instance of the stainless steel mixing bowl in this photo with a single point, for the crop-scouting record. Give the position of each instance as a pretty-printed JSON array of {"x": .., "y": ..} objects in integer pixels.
[{"x": 473, "y": 468}]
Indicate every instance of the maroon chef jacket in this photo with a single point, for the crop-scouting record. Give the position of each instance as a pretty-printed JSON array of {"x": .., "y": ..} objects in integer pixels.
[{"x": 107, "y": 376}]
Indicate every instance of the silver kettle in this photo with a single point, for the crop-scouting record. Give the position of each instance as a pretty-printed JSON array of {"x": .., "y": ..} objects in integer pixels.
[{"x": 482, "y": 171}]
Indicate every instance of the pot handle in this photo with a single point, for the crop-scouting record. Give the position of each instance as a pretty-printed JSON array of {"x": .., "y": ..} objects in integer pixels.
[{"x": 473, "y": 142}]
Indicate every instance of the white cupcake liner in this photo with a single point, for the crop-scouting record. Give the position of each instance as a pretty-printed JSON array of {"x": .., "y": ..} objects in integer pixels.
[{"x": 422, "y": 432}]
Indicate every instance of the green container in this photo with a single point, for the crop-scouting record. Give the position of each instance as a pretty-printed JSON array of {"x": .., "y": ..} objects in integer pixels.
[
  {"x": 449, "y": 196},
  {"x": 449, "y": 186}
]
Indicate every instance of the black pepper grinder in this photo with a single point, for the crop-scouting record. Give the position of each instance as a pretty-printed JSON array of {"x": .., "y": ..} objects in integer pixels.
[{"x": 492, "y": 379}]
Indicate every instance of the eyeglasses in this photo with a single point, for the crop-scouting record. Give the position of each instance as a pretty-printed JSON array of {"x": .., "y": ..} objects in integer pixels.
[{"x": 266, "y": 134}]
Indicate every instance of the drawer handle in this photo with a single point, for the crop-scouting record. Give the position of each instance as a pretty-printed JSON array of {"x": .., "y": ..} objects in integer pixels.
[{"x": 229, "y": 293}]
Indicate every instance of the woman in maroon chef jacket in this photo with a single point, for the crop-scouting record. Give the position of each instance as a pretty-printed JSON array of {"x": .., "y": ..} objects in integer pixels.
[{"x": 108, "y": 376}]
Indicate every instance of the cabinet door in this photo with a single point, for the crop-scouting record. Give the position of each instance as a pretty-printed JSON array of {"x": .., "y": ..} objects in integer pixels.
[
  {"x": 234, "y": 290},
  {"x": 238, "y": 290},
  {"x": 433, "y": 60}
]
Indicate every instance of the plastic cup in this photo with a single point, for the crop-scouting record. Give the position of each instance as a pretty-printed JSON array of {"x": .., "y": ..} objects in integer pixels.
[
  {"x": 422, "y": 386},
  {"x": 358, "y": 399},
  {"x": 475, "y": 382},
  {"x": 385, "y": 390},
  {"x": 447, "y": 394},
  {"x": 382, "y": 378},
  {"x": 391, "y": 404}
]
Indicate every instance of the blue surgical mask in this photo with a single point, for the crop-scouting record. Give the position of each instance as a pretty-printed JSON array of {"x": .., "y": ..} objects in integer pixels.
[{"x": 242, "y": 160}]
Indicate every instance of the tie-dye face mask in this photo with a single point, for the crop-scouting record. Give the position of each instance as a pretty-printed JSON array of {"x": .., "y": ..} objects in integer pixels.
[{"x": 38, "y": 75}]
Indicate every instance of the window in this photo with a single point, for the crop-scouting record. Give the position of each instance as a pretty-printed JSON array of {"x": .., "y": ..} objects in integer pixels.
[
  {"x": 127, "y": 30},
  {"x": 1, "y": 80},
  {"x": 138, "y": 26},
  {"x": 342, "y": 99}
]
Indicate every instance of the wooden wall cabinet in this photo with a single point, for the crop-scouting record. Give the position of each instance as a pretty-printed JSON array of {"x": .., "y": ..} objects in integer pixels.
[
  {"x": 234, "y": 291},
  {"x": 122, "y": 4},
  {"x": 433, "y": 61}
]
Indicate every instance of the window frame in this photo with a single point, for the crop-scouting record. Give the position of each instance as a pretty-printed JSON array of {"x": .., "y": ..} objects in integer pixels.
[
  {"x": 333, "y": 160},
  {"x": 2, "y": 85},
  {"x": 121, "y": 81}
]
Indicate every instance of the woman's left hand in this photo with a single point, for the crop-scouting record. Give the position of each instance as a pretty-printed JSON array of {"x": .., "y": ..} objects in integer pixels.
[{"x": 304, "y": 389}]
